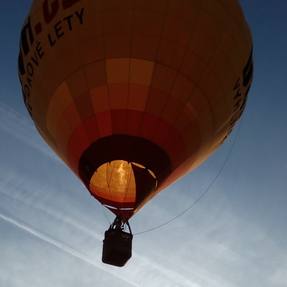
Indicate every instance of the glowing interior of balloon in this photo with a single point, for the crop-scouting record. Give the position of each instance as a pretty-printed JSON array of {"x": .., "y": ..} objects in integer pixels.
[{"x": 132, "y": 95}]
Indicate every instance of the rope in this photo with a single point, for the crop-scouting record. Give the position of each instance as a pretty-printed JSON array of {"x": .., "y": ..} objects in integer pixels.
[{"x": 203, "y": 194}]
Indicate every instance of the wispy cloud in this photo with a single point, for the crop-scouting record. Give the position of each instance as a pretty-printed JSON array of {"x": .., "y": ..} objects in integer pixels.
[
  {"x": 22, "y": 129},
  {"x": 279, "y": 278},
  {"x": 142, "y": 269},
  {"x": 64, "y": 247}
]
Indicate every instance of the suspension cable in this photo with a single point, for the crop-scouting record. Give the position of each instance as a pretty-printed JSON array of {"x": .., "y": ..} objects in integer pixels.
[{"x": 204, "y": 193}]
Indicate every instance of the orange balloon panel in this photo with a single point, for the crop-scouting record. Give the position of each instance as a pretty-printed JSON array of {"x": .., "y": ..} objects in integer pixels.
[{"x": 134, "y": 94}]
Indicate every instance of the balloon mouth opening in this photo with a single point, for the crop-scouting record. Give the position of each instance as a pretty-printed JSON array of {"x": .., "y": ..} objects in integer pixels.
[
  {"x": 116, "y": 180},
  {"x": 123, "y": 172},
  {"x": 121, "y": 185}
]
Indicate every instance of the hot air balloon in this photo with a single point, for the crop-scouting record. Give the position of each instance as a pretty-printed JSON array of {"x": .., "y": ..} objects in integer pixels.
[{"x": 132, "y": 95}]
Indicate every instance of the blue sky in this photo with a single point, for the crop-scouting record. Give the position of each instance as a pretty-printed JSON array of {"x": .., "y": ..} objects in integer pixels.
[{"x": 51, "y": 230}]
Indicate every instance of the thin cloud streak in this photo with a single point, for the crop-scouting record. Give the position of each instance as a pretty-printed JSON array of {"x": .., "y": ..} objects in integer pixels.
[
  {"x": 55, "y": 215},
  {"x": 18, "y": 126},
  {"x": 143, "y": 262},
  {"x": 59, "y": 245}
]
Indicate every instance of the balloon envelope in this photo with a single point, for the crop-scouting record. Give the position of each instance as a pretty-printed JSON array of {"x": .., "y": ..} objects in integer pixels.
[{"x": 133, "y": 95}]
